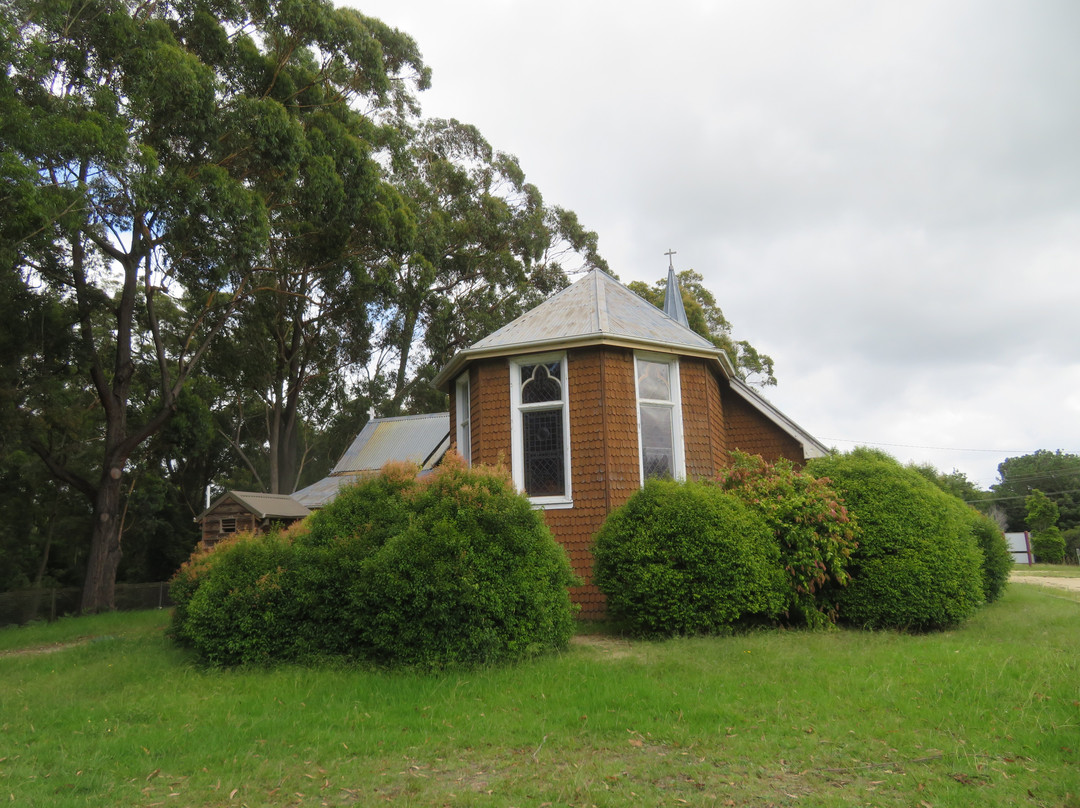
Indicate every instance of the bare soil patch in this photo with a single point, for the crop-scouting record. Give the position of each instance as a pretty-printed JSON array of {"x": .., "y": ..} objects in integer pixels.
[{"x": 1070, "y": 584}]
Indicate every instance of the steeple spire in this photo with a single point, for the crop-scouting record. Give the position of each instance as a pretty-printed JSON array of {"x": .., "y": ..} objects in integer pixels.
[{"x": 673, "y": 305}]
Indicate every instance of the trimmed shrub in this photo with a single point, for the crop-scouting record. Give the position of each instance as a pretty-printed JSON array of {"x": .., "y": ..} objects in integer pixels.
[
  {"x": 1072, "y": 544},
  {"x": 366, "y": 513},
  {"x": 917, "y": 565},
  {"x": 687, "y": 558},
  {"x": 475, "y": 578},
  {"x": 456, "y": 569},
  {"x": 244, "y": 609},
  {"x": 997, "y": 560},
  {"x": 815, "y": 531},
  {"x": 1048, "y": 545},
  {"x": 186, "y": 581}
]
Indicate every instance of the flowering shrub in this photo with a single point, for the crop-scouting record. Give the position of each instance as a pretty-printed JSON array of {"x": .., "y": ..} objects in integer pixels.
[{"x": 815, "y": 530}]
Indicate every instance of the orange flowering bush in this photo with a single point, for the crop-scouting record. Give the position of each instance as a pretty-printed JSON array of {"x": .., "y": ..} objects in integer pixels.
[{"x": 817, "y": 533}]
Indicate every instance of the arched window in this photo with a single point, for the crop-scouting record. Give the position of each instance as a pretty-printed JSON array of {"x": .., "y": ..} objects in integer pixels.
[{"x": 540, "y": 429}]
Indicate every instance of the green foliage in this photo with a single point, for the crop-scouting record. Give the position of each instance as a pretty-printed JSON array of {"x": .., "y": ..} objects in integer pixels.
[
  {"x": 1048, "y": 545},
  {"x": 1072, "y": 544},
  {"x": 454, "y": 570},
  {"x": 475, "y": 578},
  {"x": 815, "y": 531},
  {"x": 683, "y": 558},
  {"x": 1056, "y": 473},
  {"x": 997, "y": 561},
  {"x": 917, "y": 565},
  {"x": 1042, "y": 512}
]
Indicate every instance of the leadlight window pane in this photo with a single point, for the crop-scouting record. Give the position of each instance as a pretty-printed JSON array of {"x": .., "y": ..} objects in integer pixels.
[
  {"x": 541, "y": 383},
  {"x": 654, "y": 380},
  {"x": 543, "y": 455},
  {"x": 657, "y": 443}
]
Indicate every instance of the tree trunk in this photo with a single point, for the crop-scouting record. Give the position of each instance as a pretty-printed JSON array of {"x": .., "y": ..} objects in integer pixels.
[{"x": 99, "y": 587}]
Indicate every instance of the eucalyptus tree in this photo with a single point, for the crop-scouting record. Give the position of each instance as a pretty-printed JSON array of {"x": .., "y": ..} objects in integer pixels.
[
  {"x": 707, "y": 319},
  {"x": 486, "y": 249},
  {"x": 173, "y": 151}
]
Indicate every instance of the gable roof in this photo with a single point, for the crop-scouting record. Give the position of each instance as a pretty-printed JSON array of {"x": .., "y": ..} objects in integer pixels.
[
  {"x": 597, "y": 309},
  {"x": 420, "y": 439},
  {"x": 264, "y": 506}
]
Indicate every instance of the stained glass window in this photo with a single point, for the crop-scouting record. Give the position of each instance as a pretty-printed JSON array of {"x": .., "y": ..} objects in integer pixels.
[{"x": 541, "y": 453}]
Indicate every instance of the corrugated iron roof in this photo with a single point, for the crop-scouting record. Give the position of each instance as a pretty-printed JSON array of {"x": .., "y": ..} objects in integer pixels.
[
  {"x": 595, "y": 309},
  {"x": 420, "y": 439},
  {"x": 265, "y": 506},
  {"x": 325, "y": 490}
]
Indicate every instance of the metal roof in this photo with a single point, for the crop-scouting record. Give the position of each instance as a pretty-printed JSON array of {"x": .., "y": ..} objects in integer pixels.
[
  {"x": 265, "y": 506},
  {"x": 595, "y": 309},
  {"x": 673, "y": 305},
  {"x": 325, "y": 490},
  {"x": 420, "y": 439}
]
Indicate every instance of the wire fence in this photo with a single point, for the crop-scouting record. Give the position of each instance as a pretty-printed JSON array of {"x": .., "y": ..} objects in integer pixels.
[{"x": 26, "y": 605}]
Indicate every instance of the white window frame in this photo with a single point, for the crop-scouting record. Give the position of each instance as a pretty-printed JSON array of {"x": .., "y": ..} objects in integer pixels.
[
  {"x": 675, "y": 404},
  {"x": 517, "y": 438},
  {"x": 464, "y": 425}
]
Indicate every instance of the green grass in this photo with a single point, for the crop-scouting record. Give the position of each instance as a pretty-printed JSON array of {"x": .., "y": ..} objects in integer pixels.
[
  {"x": 986, "y": 715},
  {"x": 1048, "y": 570}
]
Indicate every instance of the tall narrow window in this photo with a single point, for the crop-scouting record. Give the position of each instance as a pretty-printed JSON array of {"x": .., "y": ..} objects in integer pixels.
[
  {"x": 464, "y": 432},
  {"x": 659, "y": 417},
  {"x": 540, "y": 429}
]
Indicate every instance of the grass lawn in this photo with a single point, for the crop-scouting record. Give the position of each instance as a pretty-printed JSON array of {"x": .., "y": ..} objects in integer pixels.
[
  {"x": 104, "y": 711},
  {"x": 1048, "y": 570}
]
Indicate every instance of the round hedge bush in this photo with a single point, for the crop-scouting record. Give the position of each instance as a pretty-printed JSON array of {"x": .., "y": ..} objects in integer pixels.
[
  {"x": 997, "y": 560},
  {"x": 1048, "y": 545},
  {"x": 257, "y": 602},
  {"x": 475, "y": 578},
  {"x": 454, "y": 569},
  {"x": 683, "y": 558},
  {"x": 917, "y": 565}
]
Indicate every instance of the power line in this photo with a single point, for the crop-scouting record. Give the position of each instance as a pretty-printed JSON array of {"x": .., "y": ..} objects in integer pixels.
[
  {"x": 914, "y": 446},
  {"x": 1023, "y": 496}
]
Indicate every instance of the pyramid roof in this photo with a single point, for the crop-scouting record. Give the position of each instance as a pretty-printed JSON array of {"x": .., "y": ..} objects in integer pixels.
[{"x": 597, "y": 309}]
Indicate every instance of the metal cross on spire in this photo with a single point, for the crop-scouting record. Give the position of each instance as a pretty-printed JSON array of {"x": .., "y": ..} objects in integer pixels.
[{"x": 673, "y": 305}]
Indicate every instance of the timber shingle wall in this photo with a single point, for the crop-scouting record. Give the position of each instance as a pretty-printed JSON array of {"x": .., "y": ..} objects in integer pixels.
[
  {"x": 751, "y": 432},
  {"x": 698, "y": 438},
  {"x": 604, "y": 440}
]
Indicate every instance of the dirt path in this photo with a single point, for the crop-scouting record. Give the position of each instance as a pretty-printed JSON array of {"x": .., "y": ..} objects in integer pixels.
[{"x": 1071, "y": 584}]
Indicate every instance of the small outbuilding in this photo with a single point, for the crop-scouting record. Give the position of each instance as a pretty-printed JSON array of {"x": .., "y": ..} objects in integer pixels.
[{"x": 247, "y": 512}]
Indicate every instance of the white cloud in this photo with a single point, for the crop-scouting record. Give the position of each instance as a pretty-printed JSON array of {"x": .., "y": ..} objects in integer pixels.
[{"x": 884, "y": 197}]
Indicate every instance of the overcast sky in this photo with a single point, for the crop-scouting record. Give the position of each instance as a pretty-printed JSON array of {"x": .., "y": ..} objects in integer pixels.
[{"x": 884, "y": 197}]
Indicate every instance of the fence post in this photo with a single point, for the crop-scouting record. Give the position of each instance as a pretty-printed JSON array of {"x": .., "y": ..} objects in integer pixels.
[{"x": 52, "y": 606}]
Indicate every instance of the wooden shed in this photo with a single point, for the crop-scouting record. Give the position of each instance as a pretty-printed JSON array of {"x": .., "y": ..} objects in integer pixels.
[{"x": 247, "y": 511}]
